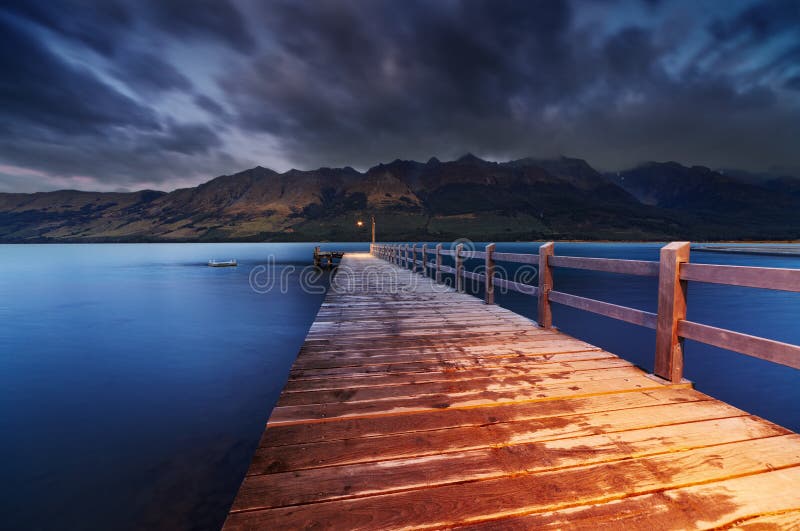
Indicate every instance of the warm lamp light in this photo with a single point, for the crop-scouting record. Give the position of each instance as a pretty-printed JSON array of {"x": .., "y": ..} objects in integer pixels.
[{"x": 360, "y": 223}]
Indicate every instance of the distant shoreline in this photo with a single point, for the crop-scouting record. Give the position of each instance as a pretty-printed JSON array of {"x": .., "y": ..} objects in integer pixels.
[{"x": 696, "y": 242}]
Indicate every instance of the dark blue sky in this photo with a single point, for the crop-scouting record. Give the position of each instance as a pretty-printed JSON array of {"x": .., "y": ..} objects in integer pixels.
[{"x": 163, "y": 93}]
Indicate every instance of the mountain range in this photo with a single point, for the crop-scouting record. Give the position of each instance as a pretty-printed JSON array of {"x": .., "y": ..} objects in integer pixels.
[{"x": 525, "y": 199}]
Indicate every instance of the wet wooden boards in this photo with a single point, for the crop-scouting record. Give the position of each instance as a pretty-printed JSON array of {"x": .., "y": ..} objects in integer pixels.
[{"x": 413, "y": 406}]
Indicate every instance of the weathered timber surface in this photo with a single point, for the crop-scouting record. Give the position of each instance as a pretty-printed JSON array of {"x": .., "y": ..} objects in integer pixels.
[{"x": 419, "y": 407}]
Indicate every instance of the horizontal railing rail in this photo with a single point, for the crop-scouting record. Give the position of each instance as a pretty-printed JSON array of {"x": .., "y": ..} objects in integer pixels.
[
  {"x": 608, "y": 265},
  {"x": 673, "y": 271}
]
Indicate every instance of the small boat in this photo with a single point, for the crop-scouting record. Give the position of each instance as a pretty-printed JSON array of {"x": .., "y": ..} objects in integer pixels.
[{"x": 223, "y": 263}]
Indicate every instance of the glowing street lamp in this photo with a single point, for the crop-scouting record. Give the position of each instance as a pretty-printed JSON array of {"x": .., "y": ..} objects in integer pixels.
[{"x": 360, "y": 224}]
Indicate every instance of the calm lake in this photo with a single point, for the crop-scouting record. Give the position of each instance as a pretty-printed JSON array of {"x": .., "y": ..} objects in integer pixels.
[{"x": 136, "y": 380}]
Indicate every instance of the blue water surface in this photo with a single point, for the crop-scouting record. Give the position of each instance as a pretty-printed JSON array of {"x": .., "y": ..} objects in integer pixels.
[{"x": 136, "y": 381}]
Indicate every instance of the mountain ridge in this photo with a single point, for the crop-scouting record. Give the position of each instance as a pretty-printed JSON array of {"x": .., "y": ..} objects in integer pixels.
[{"x": 522, "y": 199}]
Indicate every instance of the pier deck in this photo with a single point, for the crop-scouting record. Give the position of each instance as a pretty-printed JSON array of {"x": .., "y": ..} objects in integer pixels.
[{"x": 426, "y": 408}]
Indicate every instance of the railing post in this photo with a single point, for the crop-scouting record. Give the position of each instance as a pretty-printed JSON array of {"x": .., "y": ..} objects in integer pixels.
[
  {"x": 545, "y": 285},
  {"x": 459, "y": 268},
  {"x": 489, "y": 272},
  {"x": 405, "y": 255},
  {"x": 438, "y": 263},
  {"x": 671, "y": 309},
  {"x": 414, "y": 258},
  {"x": 424, "y": 259}
]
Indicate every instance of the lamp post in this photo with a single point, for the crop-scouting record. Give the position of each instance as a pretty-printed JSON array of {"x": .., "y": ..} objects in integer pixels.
[{"x": 360, "y": 223}]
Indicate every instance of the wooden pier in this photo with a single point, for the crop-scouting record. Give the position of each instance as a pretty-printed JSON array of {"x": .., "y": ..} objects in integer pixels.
[
  {"x": 413, "y": 405},
  {"x": 326, "y": 258}
]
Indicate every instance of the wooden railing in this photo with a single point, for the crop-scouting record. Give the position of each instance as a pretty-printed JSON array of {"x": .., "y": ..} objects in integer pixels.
[{"x": 673, "y": 271}]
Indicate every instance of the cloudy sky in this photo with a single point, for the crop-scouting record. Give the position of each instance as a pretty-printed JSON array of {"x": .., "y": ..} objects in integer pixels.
[{"x": 115, "y": 94}]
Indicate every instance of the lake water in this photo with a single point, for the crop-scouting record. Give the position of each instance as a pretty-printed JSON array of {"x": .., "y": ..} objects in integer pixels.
[{"x": 136, "y": 381}]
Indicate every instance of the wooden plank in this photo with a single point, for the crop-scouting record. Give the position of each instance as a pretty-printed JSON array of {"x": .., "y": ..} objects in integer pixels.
[
  {"x": 438, "y": 264},
  {"x": 776, "y": 521},
  {"x": 406, "y": 339},
  {"x": 460, "y": 503},
  {"x": 459, "y": 269},
  {"x": 490, "y": 414},
  {"x": 469, "y": 329},
  {"x": 328, "y": 412},
  {"x": 545, "y": 316},
  {"x": 606, "y": 309},
  {"x": 766, "y": 496},
  {"x": 441, "y": 352},
  {"x": 473, "y": 276},
  {"x": 753, "y": 277},
  {"x": 475, "y": 418},
  {"x": 547, "y": 370},
  {"x": 527, "y": 289},
  {"x": 475, "y": 255},
  {"x": 452, "y": 387},
  {"x": 362, "y": 347},
  {"x": 671, "y": 309},
  {"x": 607, "y": 265},
  {"x": 433, "y": 442},
  {"x": 520, "y": 258},
  {"x": 757, "y": 347},
  {"x": 506, "y": 359},
  {"x": 342, "y": 482},
  {"x": 489, "y": 268}
]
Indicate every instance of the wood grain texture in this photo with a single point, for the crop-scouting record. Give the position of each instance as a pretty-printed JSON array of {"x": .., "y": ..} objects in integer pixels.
[
  {"x": 752, "y": 277},
  {"x": 671, "y": 309},
  {"x": 421, "y": 407},
  {"x": 614, "y": 311},
  {"x": 608, "y": 265},
  {"x": 758, "y": 347},
  {"x": 489, "y": 267},
  {"x": 545, "y": 318}
]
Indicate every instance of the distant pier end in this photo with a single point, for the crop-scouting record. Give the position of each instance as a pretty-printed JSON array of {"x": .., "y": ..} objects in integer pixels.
[{"x": 326, "y": 258}]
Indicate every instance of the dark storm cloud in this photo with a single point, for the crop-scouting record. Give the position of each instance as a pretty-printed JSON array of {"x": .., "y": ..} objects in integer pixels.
[
  {"x": 760, "y": 21},
  {"x": 793, "y": 83},
  {"x": 164, "y": 92},
  {"x": 218, "y": 20},
  {"x": 41, "y": 91},
  {"x": 60, "y": 117},
  {"x": 101, "y": 24},
  {"x": 357, "y": 83},
  {"x": 97, "y": 24},
  {"x": 188, "y": 139},
  {"x": 209, "y": 105},
  {"x": 146, "y": 71}
]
